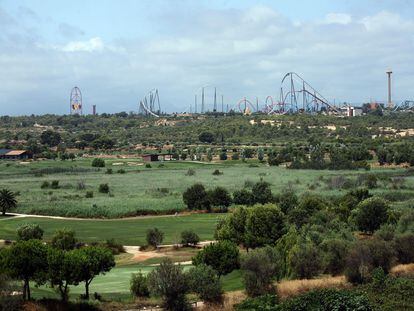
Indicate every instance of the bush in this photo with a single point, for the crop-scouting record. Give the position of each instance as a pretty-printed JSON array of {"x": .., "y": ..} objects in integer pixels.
[
  {"x": 219, "y": 197},
  {"x": 121, "y": 171},
  {"x": 335, "y": 252},
  {"x": 169, "y": 282},
  {"x": 109, "y": 171},
  {"x": 189, "y": 237},
  {"x": 115, "y": 246},
  {"x": 259, "y": 270},
  {"x": 54, "y": 184},
  {"x": 195, "y": 197},
  {"x": 190, "y": 172},
  {"x": 222, "y": 256},
  {"x": 154, "y": 237},
  {"x": 81, "y": 185},
  {"x": 365, "y": 256},
  {"x": 97, "y": 162},
  {"x": 64, "y": 239},
  {"x": 305, "y": 261},
  {"x": 404, "y": 246},
  {"x": 139, "y": 285},
  {"x": 148, "y": 165},
  {"x": 206, "y": 284},
  {"x": 242, "y": 197},
  {"x": 217, "y": 173},
  {"x": 262, "y": 303},
  {"x": 45, "y": 185},
  {"x": 29, "y": 232},
  {"x": 262, "y": 193},
  {"x": 103, "y": 188},
  {"x": 371, "y": 214},
  {"x": 89, "y": 194}
]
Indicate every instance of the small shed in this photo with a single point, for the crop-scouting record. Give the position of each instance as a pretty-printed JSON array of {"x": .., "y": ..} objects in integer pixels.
[
  {"x": 17, "y": 155},
  {"x": 150, "y": 157},
  {"x": 157, "y": 157}
]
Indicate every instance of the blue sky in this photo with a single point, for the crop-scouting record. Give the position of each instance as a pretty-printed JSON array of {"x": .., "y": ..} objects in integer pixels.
[{"x": 116, "y": 51}]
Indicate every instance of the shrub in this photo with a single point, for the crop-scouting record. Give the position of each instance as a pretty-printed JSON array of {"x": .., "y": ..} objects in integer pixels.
[
  {"x": 121, "y": 171},
  {"x": 371, "y": 214},
  {"x": 190, "y": 172},
  {"x": 103, "y": 188},
  {"x": 97, "y": 162},
  {"x": 335, "y": 252},
  {"x": 109, "y": 171},
  {"x": 54, "y": 184},
  {"x": 81, "y": 185},
  {"x": 154, "y": 237},
  {"x": 259, "y": 269},
  {"x": 189, "y": 237},
  {"x": 235, "y": 156},
  {"x": 139, "y": 285},
  {"x": 89, "y": 194},
  {"x": 305, "y": 260},
  {"x": 217, "y": 173},
  {"x": 222, "y": 256},
  {"x": 195, "y": 197},
  {"x": 148, "y": 165},
  {"x": 29, "y": 232},
  {"x": 64, "y": 239},
  {"x": 265, "y": 302},
  {"x": 262, "y": 193},
  {"x": 115, "y": 246},
  {"x": 365, "y": 256},
  {"x": 404, "y": 246},
  {"x": 206, "y": 284},
  {"x": 242, "y": 197},
  {"x": 219, "y": 196},
  {"x": 287, "y": 201},
  {"x": 169, "y": 282},
  {"x": 44, "y": 185}
]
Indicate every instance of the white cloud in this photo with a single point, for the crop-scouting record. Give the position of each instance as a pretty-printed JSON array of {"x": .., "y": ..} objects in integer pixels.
[
  {"x": 338, "y": 18},
  {"x": 92, "y": 45}
]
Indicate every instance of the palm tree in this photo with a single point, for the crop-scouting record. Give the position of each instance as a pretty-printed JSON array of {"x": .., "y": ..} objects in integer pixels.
[{"x": 7, "y": 200}]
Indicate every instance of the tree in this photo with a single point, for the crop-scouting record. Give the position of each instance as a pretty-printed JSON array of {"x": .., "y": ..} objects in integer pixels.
[
  {"x": 335, "y": 252},
  {"x": 404, "y": 247},
  {"x": 29, "y": 232},
  {"x": 308, "y": 205},
  {"x": 222, "y": 256},
  {"x": 63, "y": 269},
  {"x": 259, "y": 269},
  {"x": 371, "y": 214},
  {"x": 27, "y": 261},
  {"x": 219, "y": 196},
  {"x": 189, "y": 237},
  {"x": 260, "y": 154},
  {"x": 195, "y": 197},
  {"x": 265, "y": 224},
  {"x": 95, "y": 260},
  {"x": 154, "y": 237},
  {"x": 223, "y": 156},
  {"x": 7, "y": 200},
  {"x": 205, "y": 282},
  {"x": 365, "y": 256},
  {"x": 206, "y": 137},
  {"x": 50, "y": 138},
  {"x": 233, "y": 227},
  {"x": 64, "y": 239},
  {"x": 168, "y": 281},
  {"x": 139, "y": 285},
  {"x": 243, "y": 197},
  {"x": 287, "y": 201},
  {"x": 103, "y": 188},
  {"x": 97, "y": 162},
  {"x": 262, "y": 193},
  {"x": 305, "y": 260}
]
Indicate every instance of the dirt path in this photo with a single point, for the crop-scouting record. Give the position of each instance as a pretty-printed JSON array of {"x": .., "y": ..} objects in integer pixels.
[{"x": 18, "y": 215}]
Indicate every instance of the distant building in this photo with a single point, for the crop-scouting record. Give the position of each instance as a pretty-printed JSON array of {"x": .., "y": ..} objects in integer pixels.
[
  {"x": 351, "y": 111},
  {"x": 8, "y": 154},
  {"x": 154, "y": 157}
]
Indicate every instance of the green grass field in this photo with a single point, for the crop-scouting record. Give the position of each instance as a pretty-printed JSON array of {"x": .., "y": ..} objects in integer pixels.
[
  {"x": 126, "y": 231},
  {"x": 141, "y": 189}
]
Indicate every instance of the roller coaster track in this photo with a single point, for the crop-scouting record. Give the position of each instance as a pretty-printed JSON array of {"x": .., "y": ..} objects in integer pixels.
[
  {"x": 150, "y": 104},
  {"x": 297, "y": 95},
  {"x": 406, "y": 105}
]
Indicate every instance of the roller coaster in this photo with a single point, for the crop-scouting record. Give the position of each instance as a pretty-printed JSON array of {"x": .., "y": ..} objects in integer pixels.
[
  {"x": 298, "y": 96},
  {"x": 407, "y": 105},
  {"x": 150, "y": 104}
]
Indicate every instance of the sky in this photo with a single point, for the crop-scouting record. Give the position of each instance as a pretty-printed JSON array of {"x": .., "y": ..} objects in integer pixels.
[{"x": 117, "y": 51}]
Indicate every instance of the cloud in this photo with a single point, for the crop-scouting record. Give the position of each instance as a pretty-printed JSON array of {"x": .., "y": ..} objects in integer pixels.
[
  {"x": 69, "y": 31},
  {"x": 338, "y": 18},
  {"x": 244, "y": 52}
]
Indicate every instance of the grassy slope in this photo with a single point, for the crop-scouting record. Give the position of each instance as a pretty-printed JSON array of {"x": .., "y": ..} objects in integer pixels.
[
  {"x": 141, "y": 188},
  {"x": 126, "y": 231}
]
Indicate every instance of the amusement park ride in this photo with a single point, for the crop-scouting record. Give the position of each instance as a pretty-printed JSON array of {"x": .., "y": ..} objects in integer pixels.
[{"x": 76, "y": 101}]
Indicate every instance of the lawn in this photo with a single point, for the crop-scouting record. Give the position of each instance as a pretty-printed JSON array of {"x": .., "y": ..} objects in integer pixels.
[
  {"x": 126, "y": 231},
  {"x": 142, "y": 189}
]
